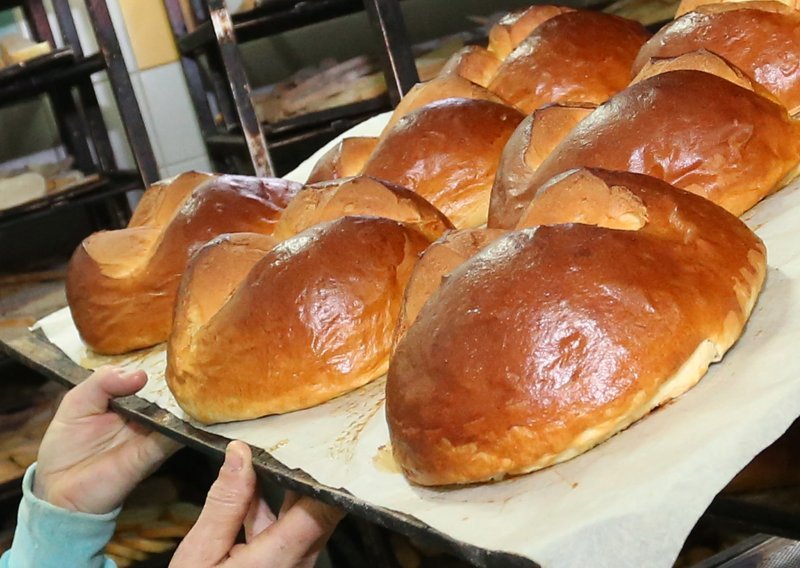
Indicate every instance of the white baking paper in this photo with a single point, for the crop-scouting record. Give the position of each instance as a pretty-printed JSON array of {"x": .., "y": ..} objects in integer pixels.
[{"x": 630, "y": 502}]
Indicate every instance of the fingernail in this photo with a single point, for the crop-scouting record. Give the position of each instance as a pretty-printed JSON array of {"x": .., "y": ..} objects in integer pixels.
[{"x": 233, "y": 459}]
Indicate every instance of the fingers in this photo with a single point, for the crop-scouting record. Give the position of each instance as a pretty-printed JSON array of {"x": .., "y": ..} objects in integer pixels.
[
  {"x": 228, "y": 501},
  {"x": 140, "y": 455},
  {"x": 258, "y": 519},
  {"x": 91, "y": 397},
  {"x": 294, "y": 540}
]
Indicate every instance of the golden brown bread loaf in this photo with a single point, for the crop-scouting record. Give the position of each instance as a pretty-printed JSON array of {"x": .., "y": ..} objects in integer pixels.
[
  {"x": 311, "y": 320},
  {"x": 689, "y": 128},
  {"x": 513, "y": 28},
  {"x": 574, "y": 57},
  {"x": 439, "y": 260},
  {"x": 346, "y": 159},
  {"x": 349, "y": 157},
  {"x": 121, "y": 285},
  {"x": 763, "y": 43},
  {"x": 551, "y": 340},
  {"x": 360, "y": 196},
  {"x": 448, "y": 152}
]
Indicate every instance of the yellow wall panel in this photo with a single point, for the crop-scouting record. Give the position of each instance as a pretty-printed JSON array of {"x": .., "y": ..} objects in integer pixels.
[{"x": 149, "y": 32}]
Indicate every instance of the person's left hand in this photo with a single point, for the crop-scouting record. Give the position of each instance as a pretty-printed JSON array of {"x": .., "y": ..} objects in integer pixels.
[{"x": 91, "y": 458}]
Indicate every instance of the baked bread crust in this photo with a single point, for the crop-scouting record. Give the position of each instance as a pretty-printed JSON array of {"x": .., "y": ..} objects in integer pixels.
[
  {"x": 473, "y": 63},
  {"x": 360, "y": 196},
  {"x": 435, "y": 152},
  {"x": 533, "y": 141},
  {"x": 692, "y": 129},
  {"x": 439, "y": 260},
  {"x": 514, "y": 27},
  {"x": 764, "y": 44},
  {"x": 551, "y": 340},
  {"x": 576, "y": 57},
  {"x": 309, "y": 320}
]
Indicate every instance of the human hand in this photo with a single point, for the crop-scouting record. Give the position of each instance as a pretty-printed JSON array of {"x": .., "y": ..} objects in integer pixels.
[
  {"x": 90, "y": 457},
  {"x": 294, "y": 539}
]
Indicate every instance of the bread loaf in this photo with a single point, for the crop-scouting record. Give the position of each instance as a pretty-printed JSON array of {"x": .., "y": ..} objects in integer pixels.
[
  {"x": 446, "y": 86},
  {"x": 552, "y": 339},
  {"x": 576, "y": 57},
  {"x": 760, "y": 38},
  {"x": 448, "y": 153},
  {"x": 690, "y": 128},
  {"x": 310, "y": 320},
  {"x": 360, "y": 196},
  {"x": 121, "y": 285}
]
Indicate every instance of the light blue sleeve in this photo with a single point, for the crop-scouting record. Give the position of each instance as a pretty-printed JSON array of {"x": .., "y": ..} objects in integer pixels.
[{"x": 50, "y": 537}]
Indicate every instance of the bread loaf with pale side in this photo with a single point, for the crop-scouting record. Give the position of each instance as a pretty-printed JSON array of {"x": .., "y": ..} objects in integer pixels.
[{"x": 121, "y": 285}]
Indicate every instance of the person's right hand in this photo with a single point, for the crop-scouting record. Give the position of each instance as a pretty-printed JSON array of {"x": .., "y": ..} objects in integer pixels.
[{"x": 294, "y": 539}]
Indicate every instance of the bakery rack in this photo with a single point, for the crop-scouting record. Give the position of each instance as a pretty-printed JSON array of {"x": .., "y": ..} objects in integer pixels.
[
  {"x": 63, "y": 76},
  {"x": 220, "y": 91}
]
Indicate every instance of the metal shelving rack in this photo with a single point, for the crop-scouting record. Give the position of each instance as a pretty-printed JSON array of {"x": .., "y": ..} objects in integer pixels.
[
  {"x": 64, "y": 77},
  {"x": 235, "y": 139}
]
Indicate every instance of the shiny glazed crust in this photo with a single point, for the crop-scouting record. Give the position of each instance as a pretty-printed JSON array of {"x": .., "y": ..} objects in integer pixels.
[
  {"x": 551, "y": 340},
  {"x": 764, "y": 44},
  {"x": 692, "y": 129},
  {"x": 577, "y": 57},
  {"x": 360, "y": 196},
  {"x": 311, "y": 319},
  {"x": 513, "y": 28},
  {"x": 121, "y": 285},
  {"x": 445, "y": 86},
  {"x": 436, "y": 151}
]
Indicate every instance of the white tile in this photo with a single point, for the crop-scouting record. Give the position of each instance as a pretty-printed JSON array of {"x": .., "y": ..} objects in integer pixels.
[
  {"x": 122, "y": 34},
  {"x": 147, "y": 116},
  {"x": 201, "y": 164},
  {"x": 84, "y": 27},
  {"x": 171, "y": 112}
]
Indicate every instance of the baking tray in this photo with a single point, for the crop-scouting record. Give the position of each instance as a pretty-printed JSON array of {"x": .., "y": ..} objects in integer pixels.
[
  {"x": 35, "y": 351},
  {"x": 682, "y": 469}
]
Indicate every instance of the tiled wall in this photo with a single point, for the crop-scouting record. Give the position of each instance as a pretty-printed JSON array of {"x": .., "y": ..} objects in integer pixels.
[{"x": 160, "y": 91}]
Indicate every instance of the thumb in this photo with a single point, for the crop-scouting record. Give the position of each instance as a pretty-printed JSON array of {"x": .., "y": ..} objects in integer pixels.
[
  {"x": 91, "y": 397},
  {"x": 228, "y": 501}
]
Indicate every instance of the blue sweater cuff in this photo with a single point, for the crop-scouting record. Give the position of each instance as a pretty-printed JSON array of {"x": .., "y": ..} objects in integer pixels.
[{"x": 51, "y": 537}]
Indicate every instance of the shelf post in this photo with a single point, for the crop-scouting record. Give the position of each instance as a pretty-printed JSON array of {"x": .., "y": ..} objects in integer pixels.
[
  {"x": 240, "y": 88},
  {"x": 122, "y": 88},
  {"x": 399, "y": 66}
]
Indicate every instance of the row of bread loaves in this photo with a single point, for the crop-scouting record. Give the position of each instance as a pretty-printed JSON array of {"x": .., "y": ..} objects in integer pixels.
[{"x": 508, "y": 348}]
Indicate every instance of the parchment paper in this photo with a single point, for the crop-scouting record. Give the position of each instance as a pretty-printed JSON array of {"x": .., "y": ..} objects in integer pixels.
[{"x": 630, "y": 502}]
